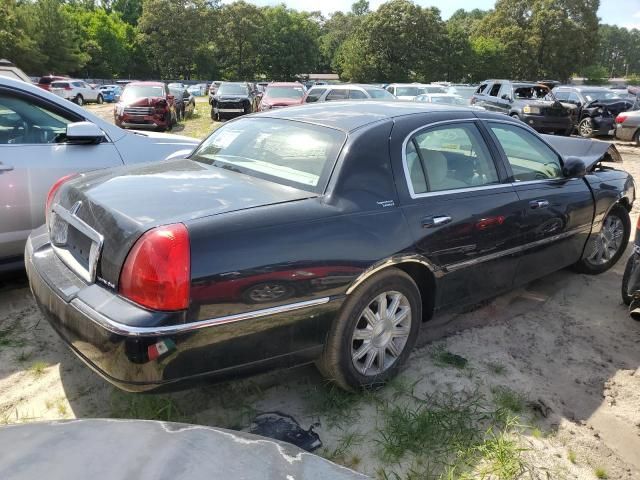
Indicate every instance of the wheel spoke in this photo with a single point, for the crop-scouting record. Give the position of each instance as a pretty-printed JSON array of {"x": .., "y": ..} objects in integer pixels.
[
  {"x": 362, "y": 351},
  {"x": 394, "y": 349},
  {"x": 371, "y": 356},
  {"x": 382, "y": 305},
  {"x": 393, "y": 308},
  {"x": 401, "y": 332},
  {"x": 381, "y": 355},
  {"x": 371, "y": 317},
  {"x": 363, "y": 334},
  {"x": 401, "y": 316}
]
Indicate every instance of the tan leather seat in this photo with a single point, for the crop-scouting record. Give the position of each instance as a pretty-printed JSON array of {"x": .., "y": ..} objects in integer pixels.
[{"x": 438, "y": 171}]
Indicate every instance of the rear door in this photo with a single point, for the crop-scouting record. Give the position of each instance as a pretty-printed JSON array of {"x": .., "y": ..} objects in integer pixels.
[
  {"x": 463, "y": 217},
  {"x": 491, "y": 98},
  {"x": 32, "y": 157},
  {"x": 558, "y": 212}
]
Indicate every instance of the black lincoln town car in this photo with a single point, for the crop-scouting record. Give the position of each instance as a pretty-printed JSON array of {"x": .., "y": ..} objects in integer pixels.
[{"x": 328, "y": 233}]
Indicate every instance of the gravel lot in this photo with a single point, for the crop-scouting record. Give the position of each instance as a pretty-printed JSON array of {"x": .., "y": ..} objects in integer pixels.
[{"x": 552, "y": 368}]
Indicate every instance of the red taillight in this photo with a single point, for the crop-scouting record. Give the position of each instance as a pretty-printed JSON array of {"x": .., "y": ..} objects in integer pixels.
[
  {"x": 621, "y": 118},
  {"x": 157, "y": 271},
  {"x": 54, "y": 189},
  {"x": 68, "y": 87}
]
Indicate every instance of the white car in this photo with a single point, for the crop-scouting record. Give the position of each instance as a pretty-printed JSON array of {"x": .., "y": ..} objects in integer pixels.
[
  {"x": 409, "y": 91},
  {"x": 77, "y": 91},
  {"x": 44, "y": 138}
]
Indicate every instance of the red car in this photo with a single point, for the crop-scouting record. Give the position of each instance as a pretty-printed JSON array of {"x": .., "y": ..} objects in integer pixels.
[
  {"x": 146, "y": 105},
  {"x": 282, "y": 94},
  {"x": 45, "y": 82}
]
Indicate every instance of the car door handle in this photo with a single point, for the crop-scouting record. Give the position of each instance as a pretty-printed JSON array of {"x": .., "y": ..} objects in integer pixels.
[
  {"x": 536, "y": 204},
  {"x": 5, "y": 168},
  {"x": 435, "y": 221}
]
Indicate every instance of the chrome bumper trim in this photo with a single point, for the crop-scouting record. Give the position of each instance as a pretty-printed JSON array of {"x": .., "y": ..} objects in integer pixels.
[{"x": 127, "y": 330}]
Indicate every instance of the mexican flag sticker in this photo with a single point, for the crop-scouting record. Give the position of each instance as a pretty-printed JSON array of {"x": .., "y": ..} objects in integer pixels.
[{"x": 160, "y": 348}]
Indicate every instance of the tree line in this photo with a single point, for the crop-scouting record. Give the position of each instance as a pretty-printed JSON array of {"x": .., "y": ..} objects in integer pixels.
[{"x": 401, "y": 41}]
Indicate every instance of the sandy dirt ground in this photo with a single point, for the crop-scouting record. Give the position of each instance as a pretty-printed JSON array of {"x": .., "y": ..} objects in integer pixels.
[{"x": 556, "y": 363}]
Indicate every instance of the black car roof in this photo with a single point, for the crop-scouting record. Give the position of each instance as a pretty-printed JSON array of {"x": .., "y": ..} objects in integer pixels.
[{"x": 349, "y": 116}]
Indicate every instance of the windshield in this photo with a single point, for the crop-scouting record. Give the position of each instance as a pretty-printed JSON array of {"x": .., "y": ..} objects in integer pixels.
[
  {"x": 131, "y": 92},
  {"x": 407, "y": 91},
  {"x": 294, "y": 93},
  {"x": 232, "y": 89},
  {"x": 601, "y": 95},
  {"x": 532, "y": 92},
  {"x": 290, "y": 153},
  {"x": 379, "y": 93}
]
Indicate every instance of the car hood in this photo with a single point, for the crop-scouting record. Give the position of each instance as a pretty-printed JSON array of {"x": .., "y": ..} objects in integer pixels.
[
  {"x": 142, "y": 102},
  {"x": 123, "y": 203},
  {"x": 592, "y": 152},
  {"x": 282, "y": 101},
  {"x": 231, "y": 98},
  {"x": 614, "y": 105},
  {"x": 536, "y": 103}
]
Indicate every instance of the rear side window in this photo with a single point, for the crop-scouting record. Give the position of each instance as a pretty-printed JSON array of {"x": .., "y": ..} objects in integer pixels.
[
  {"x": 495, "y": 89},
  {"x": 357, "y": 95},
  {"x": 530, "y": 158},
  {"x": 77, "y": 84},
  {"x": 481, "y": 88},
  {"x": 449, "y": 157},
  {"x": 337, "y": 94},
  {"x": 563, "y": 96},
  {"x": 314, "y": 95}
]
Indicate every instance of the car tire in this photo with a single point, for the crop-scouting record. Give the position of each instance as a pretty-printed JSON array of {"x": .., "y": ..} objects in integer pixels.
[
  {"x": 79, "y": 100},
  {"x": 355, "y": 362},
  {"x": 626, "y": 277},
  {"x": 585, "y": 128},
  {"x": 100, "y": 100},
  {"x": 599, "y": 255},
  {"x": 636, "y": 138}
]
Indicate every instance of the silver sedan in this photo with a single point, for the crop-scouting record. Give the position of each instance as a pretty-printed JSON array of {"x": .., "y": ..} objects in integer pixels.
[
  {"x": 628, "y": 126},
  {"x": 43, "y": 138}
]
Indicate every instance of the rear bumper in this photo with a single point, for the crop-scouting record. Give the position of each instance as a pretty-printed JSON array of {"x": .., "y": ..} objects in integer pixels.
[
  {"x": 115, "y": 337},
  {"x": 603, "y": 126},
  {"x": 625, "y": 133},
  {"x": 542, "y": 123}
]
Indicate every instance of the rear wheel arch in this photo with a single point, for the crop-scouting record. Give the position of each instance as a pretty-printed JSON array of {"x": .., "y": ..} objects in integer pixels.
[{"x": 421, "y": 271}]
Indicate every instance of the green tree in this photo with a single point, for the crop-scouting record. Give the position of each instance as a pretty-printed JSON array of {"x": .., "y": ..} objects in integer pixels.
[
  {"x": 106, "y": 41},
  {"x": 129, "y": 10},
  {"x": 239, "y": 36},
  {"x": 171, "y": 31},
  {"x": 289, "y": 43},
  {"x": 401, "y": 41}
]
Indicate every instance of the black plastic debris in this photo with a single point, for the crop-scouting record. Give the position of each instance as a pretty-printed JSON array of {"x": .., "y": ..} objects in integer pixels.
[{"x": 285, "y": 428}]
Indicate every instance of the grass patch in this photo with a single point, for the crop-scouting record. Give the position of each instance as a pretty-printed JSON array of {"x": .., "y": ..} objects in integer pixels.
[
  {"x": 199, "y": 124},
  {"x": 146, "y": 407},
  {"x": 342, "y": 452},
  {"x": 23, "y": 356},
  {"x": 37, "y": 369},
  {"x": 7, "y": 337},
  {"x": 501, "y": 456},
  {"x": 509, "y": 400},
  {"x": 334, "y": 405},
  {"x": 443, "y": 358},
  {"x": 573, "y": 458},
  {"x": 601, "y": 473},
  {"x": 496, "y": 368}
]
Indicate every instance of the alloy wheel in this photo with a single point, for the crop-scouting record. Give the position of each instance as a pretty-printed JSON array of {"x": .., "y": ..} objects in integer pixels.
[
  {"x": 381, "y": 333},
  {"x": 607, "y": 243},
  {"x": 585, "y": 128}
]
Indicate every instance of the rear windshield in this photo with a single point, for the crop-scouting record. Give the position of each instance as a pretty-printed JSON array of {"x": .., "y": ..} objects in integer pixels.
[
  {"x": 45, "y": 80},
  {"x": 379, "y": 93},
  {"x": 232, "y": 89},
  {"x": 290, "y": 153},
  {"x": 59, "y": 84},
  {"x": 285, "y": 92},
  {"x": 408, "y": 91},
  {"x": 132, "y": 92}
]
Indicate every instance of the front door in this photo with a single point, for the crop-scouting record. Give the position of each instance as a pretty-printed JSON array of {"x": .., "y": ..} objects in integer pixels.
[
  {"x": 33, "y": 155},
  {"x": 557, "y": 211},
  {"x": 463, "y": 218}
]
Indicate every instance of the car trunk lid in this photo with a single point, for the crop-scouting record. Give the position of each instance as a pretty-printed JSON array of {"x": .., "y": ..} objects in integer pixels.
[{"x": 104, "y": 213}]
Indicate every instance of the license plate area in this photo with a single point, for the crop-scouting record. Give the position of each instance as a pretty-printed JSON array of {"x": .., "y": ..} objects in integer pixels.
[{"x": 75, "y": 242}]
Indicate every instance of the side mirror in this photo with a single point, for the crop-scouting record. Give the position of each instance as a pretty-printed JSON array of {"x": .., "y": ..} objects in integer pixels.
[
  {"x": 506, "y": 97},
  {"x": 83, "y": 133},
  {"x": 574, "y": 168}
]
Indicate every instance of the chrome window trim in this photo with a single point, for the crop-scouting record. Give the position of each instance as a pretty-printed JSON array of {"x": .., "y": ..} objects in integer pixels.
[
  {"x": 132, "y": 331},
  {"x": 405, "y": 166}
]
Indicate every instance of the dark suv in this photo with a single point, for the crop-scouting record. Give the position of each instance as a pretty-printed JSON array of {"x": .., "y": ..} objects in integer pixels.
[
  {"x": 597, "y": 108},
  {"x": 233, "y": 99},
  {"x": 533, "y": 103}
]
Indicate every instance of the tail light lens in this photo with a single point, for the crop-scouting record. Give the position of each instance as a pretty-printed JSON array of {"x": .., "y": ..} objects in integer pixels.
[
  {"x": 68, "y": 87},
  {"x": 621, "y": 118},
  {"x": 54, "y": 189},
  {"x": 157, "y": 271}
]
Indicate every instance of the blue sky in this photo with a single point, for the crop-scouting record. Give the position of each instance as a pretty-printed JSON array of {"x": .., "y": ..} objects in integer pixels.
[{"x": 625, "y": 13}]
